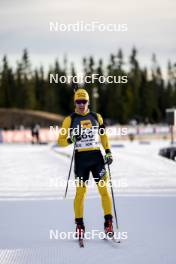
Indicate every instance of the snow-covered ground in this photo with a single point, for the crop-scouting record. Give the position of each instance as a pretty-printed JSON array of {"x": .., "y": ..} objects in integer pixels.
[{"x": 32, "y": 205}]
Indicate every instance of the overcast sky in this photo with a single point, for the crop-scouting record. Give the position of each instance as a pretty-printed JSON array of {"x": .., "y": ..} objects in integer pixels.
[{"x": 25, "y": 24}]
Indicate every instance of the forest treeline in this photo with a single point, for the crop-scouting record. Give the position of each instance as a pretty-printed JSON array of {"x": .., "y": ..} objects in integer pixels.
[{"x": 144, "y": 97}]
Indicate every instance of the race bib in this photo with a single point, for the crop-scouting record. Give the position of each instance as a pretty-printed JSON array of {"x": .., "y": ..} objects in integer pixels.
[{"x": 89, "y": 136}]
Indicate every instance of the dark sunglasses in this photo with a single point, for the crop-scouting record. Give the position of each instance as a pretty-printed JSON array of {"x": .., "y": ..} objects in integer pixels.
[{"x": 81, "y": 102}]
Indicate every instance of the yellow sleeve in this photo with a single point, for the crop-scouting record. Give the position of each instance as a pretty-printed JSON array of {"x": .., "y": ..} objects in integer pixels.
[
  {"x": 104, "y": 138},
  {"x": 63, "y": 133}
]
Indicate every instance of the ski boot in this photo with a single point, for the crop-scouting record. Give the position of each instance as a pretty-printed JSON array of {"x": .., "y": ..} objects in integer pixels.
[
  {"x": 108, "y": 227},
  {"x": 80, "y": 228}
]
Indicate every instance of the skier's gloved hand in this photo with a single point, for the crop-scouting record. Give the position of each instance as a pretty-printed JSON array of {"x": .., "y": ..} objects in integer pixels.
[
  {"x": 74, "y": 139},
  {"x": 108, "y": 157}
]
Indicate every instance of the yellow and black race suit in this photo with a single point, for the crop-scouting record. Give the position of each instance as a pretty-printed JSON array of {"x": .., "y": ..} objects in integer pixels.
[{"x": 88, "y": 157}]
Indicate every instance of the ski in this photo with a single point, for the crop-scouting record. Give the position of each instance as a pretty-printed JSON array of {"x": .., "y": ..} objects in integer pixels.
[
  {"x": 81, "y": 242},
  {"x": 114, "y": 240}
]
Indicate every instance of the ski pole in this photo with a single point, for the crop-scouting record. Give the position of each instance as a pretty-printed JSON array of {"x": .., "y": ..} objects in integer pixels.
[
  {"x": 70, "y": 170},
  {"x": 113, "y": 200}
]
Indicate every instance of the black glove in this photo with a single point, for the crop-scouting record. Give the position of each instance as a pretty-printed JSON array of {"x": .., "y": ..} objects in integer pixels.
[
  {"x": 108, "y": 157},
  {"x": 74, "y": 139}
]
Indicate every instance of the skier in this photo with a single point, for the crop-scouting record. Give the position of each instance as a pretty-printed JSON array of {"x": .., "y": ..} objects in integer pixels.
[
  {"x": 35, "y": 131},
  {"x": 88, "y": 157}
]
